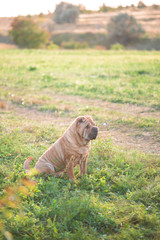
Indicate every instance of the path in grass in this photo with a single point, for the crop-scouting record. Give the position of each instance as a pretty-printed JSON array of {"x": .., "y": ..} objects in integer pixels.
[{"x": 127, "y": 125}]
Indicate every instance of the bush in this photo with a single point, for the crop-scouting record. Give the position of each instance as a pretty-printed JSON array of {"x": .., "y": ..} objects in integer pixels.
[
  {"x": 74, "y": 45},
  {"x": 91, "y": 39},
  {"x": 141, "y": 4},
  {"x": 52, "y": 46},
  {"x": 104, "y": 8},
  {"x": 146, "y": 43},
  {"x": 65, "y": 13},
  {"x": 117, "y": 46},
  {"x": 124, "y": 29},
  {"x": 26, "y": 34},
  {"x": 155, "y": 6}
]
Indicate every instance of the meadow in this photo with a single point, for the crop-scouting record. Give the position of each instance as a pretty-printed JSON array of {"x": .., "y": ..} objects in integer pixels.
[{"x": 41, "y": 92}]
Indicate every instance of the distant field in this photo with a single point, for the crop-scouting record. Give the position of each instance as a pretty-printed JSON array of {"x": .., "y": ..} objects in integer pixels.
[
  {"x": 123, "y": 77},
  {"x": 41, "y": 92}
]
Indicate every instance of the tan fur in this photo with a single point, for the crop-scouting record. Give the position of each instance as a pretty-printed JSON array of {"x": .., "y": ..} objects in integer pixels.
[{"x": 69, "y": 150}]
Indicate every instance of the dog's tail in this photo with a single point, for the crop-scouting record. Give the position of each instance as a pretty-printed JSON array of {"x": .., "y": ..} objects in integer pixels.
[{"x": 26, "y": 163}]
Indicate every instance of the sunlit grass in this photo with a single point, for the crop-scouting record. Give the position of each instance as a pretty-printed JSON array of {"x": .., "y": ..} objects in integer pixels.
[
  {"x": 119, "y": 197},
  {"x": 123, "y": 77}
]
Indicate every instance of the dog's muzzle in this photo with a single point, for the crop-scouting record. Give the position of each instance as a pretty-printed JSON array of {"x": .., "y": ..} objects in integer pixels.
[{"x": 94, "y": 133}]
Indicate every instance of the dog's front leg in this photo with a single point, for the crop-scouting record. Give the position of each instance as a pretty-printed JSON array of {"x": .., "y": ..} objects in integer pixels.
[
  {"x": 70, "y": 171},
  {"x": 83, "y": 166}
]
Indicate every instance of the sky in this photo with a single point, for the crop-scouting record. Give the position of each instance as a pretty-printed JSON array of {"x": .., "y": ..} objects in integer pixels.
[{"x": 12, "y": 8}]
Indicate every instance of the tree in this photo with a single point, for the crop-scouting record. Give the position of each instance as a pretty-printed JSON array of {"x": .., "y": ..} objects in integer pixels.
[
  {"x": 141, "y": 4},
  {"x": 65, "y": 13},
  {"x": 103, "y": 8},
  {"x": 26, "y": 34},
  {"x": 82, "y": 8},
  {"x": 123, "y": 29}
]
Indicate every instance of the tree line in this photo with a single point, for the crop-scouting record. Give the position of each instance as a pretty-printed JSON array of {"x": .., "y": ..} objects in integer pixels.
[{"x": 122, "y": 29}]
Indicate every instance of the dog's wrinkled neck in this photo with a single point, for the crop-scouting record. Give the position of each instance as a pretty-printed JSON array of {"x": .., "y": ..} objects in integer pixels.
[{"x": 81, "y": 141}]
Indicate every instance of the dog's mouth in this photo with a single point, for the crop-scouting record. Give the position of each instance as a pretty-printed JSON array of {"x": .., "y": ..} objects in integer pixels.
[{"x": 94, "y": 137}]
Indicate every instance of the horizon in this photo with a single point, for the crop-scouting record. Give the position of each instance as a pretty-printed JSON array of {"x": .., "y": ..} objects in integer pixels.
[{"x": 28, "y": 7}]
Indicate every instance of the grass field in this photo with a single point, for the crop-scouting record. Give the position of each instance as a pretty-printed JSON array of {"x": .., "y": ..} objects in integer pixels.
[{"x": 41, "y": 93}]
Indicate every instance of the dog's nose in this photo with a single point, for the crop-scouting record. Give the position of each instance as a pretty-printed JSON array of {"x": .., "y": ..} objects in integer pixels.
[
  {"x": 95, "y": 132},
  {"x": 95, "y": 129}
]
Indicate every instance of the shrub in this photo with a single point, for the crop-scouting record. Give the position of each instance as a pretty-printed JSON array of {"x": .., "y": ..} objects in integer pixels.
[
  {"x": 52, "y": 46},
  {"x": 124, "y": 29},
  {"x": 74, "y": 45},
  {"x": 103, "y": 8},
  {"x": 117, "y": 46},
  {"x": 120, "y": 7},
  {"x": 155, "y": 6},
  {"x": 146, "y": 43},
  {"x": 26, "y": 34},
  {"x": 65, "y": 13},
  {"x": 141, "y": 4},
  {"x": 91, "y": 39}
]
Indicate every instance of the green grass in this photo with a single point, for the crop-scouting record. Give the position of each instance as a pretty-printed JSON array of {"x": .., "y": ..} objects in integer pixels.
[
  {"x": 123, "y": 77},
  {"x": 30, "y": 78},
  {"x": 119, "y": 197}
]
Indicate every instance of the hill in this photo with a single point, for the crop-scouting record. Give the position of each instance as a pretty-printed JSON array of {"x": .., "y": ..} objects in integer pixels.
[{"x": 94, "y": 22}]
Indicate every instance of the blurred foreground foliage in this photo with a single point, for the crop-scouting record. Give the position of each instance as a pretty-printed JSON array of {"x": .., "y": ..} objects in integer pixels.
[{"x": 12, "y": 200}]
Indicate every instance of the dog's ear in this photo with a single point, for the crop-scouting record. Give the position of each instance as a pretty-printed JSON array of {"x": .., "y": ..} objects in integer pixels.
[
  {"x": 81, "y": 120},
  {"x": 90, "y": 119}
]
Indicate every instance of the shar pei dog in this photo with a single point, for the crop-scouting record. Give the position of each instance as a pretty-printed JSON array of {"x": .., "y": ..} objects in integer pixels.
[{"x": 69, "y": 150}]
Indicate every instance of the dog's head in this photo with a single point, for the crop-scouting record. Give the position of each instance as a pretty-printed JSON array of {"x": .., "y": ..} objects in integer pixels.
[{"x": 86, "y": 128}]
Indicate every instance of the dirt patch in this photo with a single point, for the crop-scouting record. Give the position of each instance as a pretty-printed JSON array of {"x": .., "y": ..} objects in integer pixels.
[
  {"x": 43, "y": 117},
  {"x": 126, "y": 108},
  {"x": 133, "y": 139},
  {"x": 7, "y": 46}
]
